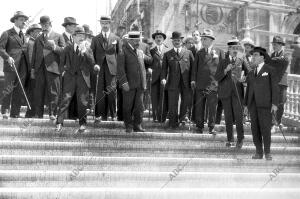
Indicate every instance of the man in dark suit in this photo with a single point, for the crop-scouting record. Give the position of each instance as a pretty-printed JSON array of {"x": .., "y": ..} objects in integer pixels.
[
  {"x": 70, "y": 25},
  {"x": 203, "y": 80},
  {"x": 132, "y": 78},
  {"x": 159, "y": 105},
  {"x": 47, "y": 51},
  {"x": 280, "y": 61},
  {"x": 106, "y": 47},
  {"x": 230, "y": 75},
  {"x": 13, "y": 51},
  {"x": 261, "y": 99},
  {"x": 78, "y": 61},
  {"x": 176, "y": 75},
  {"x": 295, "y": 60},
  {"x": 33, "y": 32}
]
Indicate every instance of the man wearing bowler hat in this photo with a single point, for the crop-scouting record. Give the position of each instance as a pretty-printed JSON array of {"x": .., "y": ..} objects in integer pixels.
[
  {"x": 78, "y": 62},
  {"x": 70, "y": 25},
  {"x": 13, "y": 52},
  {"x": 261, "y": 99},
  {"x": 159, "y": 105},
  {"x": 132, "y": 78},
  {"x": 47, "y": 51},
  {"x": 106, "y": 46},
  {"x": 176, "y": 75},
  {"x": 203, "y": 80},
  {"x": 33, "y": 32},
  {"x": 280, "y": 61}
]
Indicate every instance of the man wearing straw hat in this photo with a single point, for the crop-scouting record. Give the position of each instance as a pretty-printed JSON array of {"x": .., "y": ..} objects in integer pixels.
[
  {"x": 47, "y": 51},
  {"x": 78, "y": 62},
  {"x": 132, "y": 78},
  {"x": 13, "y": 52},
  {"x": 106, "y": 46},
  {"x": 33, "y": 32}
]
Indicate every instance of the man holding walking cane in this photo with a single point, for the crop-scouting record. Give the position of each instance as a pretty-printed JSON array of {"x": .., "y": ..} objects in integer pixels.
[{"x": 12, "y": 50}]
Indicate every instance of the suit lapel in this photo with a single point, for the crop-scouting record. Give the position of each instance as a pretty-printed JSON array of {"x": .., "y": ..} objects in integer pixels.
[
  {"x": 16, "y": 36},
  {"x": 261, "y": 71},
  {"x": 131, "y": 50},
  {"x": 100, "y": 40}
]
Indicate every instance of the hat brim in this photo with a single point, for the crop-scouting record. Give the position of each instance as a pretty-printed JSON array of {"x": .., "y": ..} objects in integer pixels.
[
  {"x": 177, "y": 37},
  {"x": 155, "y": 34},
  {"x": 69, "y": 23},
  {"x": 278, "y": 43},
  {"x": 79, "y": 33},
  {"x": 14, "y": 17},
  {"x": 211, "y": 37},
  {"x": 250, "y": 44},
  {"x": 45, "y": 22},
  {"x": 28, "y": 31},
  {"x": 260, "y": 51}
]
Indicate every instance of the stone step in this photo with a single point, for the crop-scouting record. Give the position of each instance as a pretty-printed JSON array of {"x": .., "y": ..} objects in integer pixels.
[
  {"x": 147, "y": 193},
  {"x": 90, "y": 163},
  {"x": 150, "y": 179}
]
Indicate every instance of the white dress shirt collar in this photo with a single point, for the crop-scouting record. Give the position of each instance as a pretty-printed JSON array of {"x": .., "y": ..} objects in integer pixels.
[
  {"x": 131, "y": 46},
  {"x": 107, "y": 33},
  {"x": 17, "y": 29},
  {"x": 68, "y": 35},
  {"x": 179, "y": 49},
  {"x": 260, "y": 66}
]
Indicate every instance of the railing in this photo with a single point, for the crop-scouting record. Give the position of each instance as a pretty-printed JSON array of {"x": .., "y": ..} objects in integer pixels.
[{"x": 291, "y": 115}]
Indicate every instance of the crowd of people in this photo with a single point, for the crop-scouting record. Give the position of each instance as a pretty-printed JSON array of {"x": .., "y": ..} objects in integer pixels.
[{"x": 76, "y": 74}]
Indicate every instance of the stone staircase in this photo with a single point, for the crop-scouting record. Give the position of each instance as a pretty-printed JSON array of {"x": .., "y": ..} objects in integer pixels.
[{"x": 105, "y": 162}]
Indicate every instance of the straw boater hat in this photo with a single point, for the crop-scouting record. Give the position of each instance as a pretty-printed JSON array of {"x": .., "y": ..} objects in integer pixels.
[
  {"x": 208, "y": 33},
  {"x": 33, "y": 27},
  {"x": 69, "y": 21},
  {"x": 18, "y": 14},
  {"x": 105, "y": 19},
  {"x": 233, "y": 42},
  {"x": 158, "y": 32},
  {"x": 134, "y": 35}
]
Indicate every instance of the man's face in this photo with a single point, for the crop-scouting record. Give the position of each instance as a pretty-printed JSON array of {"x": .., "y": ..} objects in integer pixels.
[
  {"x": 20, "y": 22},
  {"x": 79, "y": 38},
  {"x": 46, "y": 27},
  {"x": 177, "y": 43},
  {"x": 189, "y": 44},
  {"x": 35, "y": 33},
  {"x": 121, "y": 32},
  {"x": 248, "y": 48},
  {"x": 233, "y": 50},
  {"x": 159, "y": 39},
  {"x": 206, "y": 42},
  {"x": 257, "y": 58},
  {"x": 105, "y": 25},
  {"x": 134, "y": 42},
  {"x": 196, "y": 37},
  {"x": 276, "y": 47},
  {"x": 70, "y": 28}
]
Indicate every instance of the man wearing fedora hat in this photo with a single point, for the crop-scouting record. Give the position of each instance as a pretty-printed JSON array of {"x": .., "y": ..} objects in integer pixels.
[
  {"x": 106, "y": 46},
  {"x": 70, "y": 25},
  {"x": 203, "y": 80},
  {"x": 47, "y": 51},
  {"x": 13, "y": 51},
  {"x": 176, "y": 74},
  {"x": 78, "y": 62},
  {"x": 33, "y": 32},
  {"x": 280, "y": 61},
  {"x": 157, "y": 53},
  {"x": 132, "y": 78},
  {"x": 295, "y": 61},
  {"x": 261, "y": 100}
]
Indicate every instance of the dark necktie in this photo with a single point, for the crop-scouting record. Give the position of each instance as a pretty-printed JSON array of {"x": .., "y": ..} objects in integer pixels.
[
  {"x": 21, "y": 35},
  {"x": 77, "y": 50},
  {"x": 177, "y": 51},
  {"x": 71, "y": 40}
]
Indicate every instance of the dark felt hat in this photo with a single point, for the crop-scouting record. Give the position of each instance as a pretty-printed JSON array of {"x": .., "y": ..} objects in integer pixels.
[
  {"x": 158, "y": 32},
  {"x": 176, "y": 35},
  {"x": 69, "y": 21},
  {"x": 45, "y": 19},
  {"x": 261, "y": 50},
  {"x": 18, "y": 14},
  {"x": 278, "y": 40},
  {"x": 33, "y": 27}
]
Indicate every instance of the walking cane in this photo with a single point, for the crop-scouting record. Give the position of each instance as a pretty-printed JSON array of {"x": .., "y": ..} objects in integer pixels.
[
  {"x": 14, "y": 66},
  {"x": 162, "y": 103},
  {"x": 96, "y": 92},
  {"x": 279, "y": 126},
  {"x": 150, "y": 80},
  {"x": 192, "y": 107}
]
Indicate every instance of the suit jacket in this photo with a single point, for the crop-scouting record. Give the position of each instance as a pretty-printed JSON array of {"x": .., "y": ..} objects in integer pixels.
[
  {"x": 131, "y": 68},
  {"x": 227, "y": 84},
  {"x": 156, "y": 65},
  {"x": 262, "y": 89},
  {"x": 204, "y": 69},
  {"x": 173, "y": 66},
  {"x": 280, "y": 64},
  {"x": 30, "y": 45},
  {"x": 295, "y": 62},
  {"x": 83, "y": 62},
  {"x": 42, "y": 51},
  {"x": 11, "y": 45},
  {"x": 67, "y": 39},
  {"x": 146, "y": 49},
  {"x": 101, "y": 50}
]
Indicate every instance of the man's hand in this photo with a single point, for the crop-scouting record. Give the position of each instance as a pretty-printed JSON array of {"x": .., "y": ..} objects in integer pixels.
[
  {"x": 245, "y": 110},
  {"x": 274, "y": 109},
  {"x": 228, "y": 68},
  {"x": 163, "y": 82},
  {"x": 51, "y": 44},
  {"x": 97, "y": 68},
  {"x": 32, "y": 74},
  {"x": 10, "y": 61},
  {"x": 149, "y": 70},
  {"x": 193, "y": 85},
  {"x": 126, "y": 86}
]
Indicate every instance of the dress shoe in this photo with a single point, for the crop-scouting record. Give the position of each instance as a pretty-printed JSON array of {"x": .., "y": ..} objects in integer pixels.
[
  {"x": 268, "y": 156},
  {"x": 97, "y": 120},
  {"x": 257, "y": 156},
  {"x": 185, "y": 121},
  {"x": 5, "y": 115},
  {"x": 229, "y": 144},
  {"x": 239, "y": 144},
  {"x": 52, "y": 117},
  {"x": 138, "y": 128},
  {"x": 211, "y": 131},
  {"x": 58, "y": 128}
]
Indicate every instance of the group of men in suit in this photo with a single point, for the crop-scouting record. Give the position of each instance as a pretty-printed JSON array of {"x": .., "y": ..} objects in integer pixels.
[{"x": 187, "y": 83}]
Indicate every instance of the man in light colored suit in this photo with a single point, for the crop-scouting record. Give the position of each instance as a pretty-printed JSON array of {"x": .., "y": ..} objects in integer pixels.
[{"x": 47, "y": 51}]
